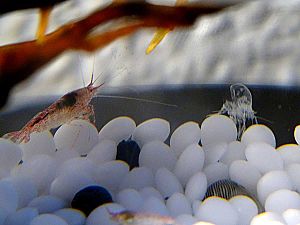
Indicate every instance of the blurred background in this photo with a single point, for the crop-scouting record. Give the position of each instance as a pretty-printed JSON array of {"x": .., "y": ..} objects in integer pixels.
[{"x": 255, "y": 42}]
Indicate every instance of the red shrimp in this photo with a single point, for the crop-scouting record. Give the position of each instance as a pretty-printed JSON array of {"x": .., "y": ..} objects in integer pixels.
[
  {"x": 133, "y": 218},
  {"x": 73, "y": 105}
]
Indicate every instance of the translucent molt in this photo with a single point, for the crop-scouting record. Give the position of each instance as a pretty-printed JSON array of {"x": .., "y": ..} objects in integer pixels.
[{"x": 239, "y": 109}]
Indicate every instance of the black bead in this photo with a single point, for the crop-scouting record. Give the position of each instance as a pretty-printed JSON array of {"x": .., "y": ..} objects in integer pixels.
[
  {"x": 89, "y": 198},
  {"x": 129, "y": 151}
]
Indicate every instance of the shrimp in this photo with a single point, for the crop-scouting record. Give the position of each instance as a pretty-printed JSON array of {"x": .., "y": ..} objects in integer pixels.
[
  {"x": 73, "y": 105},
  {"x": 239, "y": 109},
  {"x": 133, "y": 218}
]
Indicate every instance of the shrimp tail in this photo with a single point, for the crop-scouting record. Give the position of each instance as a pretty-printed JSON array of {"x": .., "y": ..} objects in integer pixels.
[
  {"x": 13, "y": 136},
  {"x": 16, "y": 137}
]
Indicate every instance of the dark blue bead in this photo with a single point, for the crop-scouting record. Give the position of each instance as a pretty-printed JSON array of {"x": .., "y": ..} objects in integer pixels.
[
  {"x": 89, "y": 198},
  {"x": 129, "y": 151}
]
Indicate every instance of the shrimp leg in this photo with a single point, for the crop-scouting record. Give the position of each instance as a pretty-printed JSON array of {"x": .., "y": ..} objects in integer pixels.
[{"x": 88, "y": 114}]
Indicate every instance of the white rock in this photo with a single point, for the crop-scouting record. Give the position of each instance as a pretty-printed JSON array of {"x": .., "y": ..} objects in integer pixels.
[
  {"x": 4, "y": 173},
  {"x": 272, "y": 181},
  {"x": 3, "y": 216},
  {"x": 218, "y": 128},
  {"x": 264, "y": 157},
  {"x": 104, "y": 151},
  {"x": 258, "y": 133},
  {"x": 178, "y": 204},
  {"x": 110, "y": 174},
  {"x": 101, "y": 216},
  {"x": 235, "y": 151},
  {"x": 21, "y": 217},
  {"x": 196, "y": 187},
  {"x": 155, "y": 129},
  {"x": 276, "y": 223},
  {"x": 137, "y": 178},
  {"x": 10, "y": 155},
  {"x": 40, "y": 143},
  {"x": 14, "y": 172},
  {"x": 214, "y": 152},
  {"x": 167, "y": 183},
  {"x": 118, "y": 129},
  {"x": 48, "y": 219},
  {"x": 297, "y": 134},
  {"x": 190, "y": 162},
  {"x": 186, "y": 219},
  {"x": 130, "y": 199},
  {"x": 71, "y": 216},
  {"x": 40, "y": 169},
  {"x": 290, "y": 153},
  {"x": 237, "y": 171},
  {"x": 218, "y": 211},
  {"x": 147, "y": 192},
  {"x": 245, "y": 207},
  {"x": 268, "y": 218},
  {"x": 216, "y": 171},
  {"x": 154, "y": 205},
  {"x": 80, "y": 164},
  {"x": 293, "y": 172},
  {"x": 47, "y": 204},
  {"x": 179, "y": 140},
  {"x": 281, "y": 200},
  {"x": 149, "y": 156},
  {"x": 78, "y": 135},
  {"x": 291, "y": 216},
  {"x": 195, "y": 206},
  {"x": 63, "y": 155},
  {"x": 8, "y": 196},
  {"x": 25, "y": 188},
  {"x": 66, "y": 185},
  {"x": 203, "y": 223}
]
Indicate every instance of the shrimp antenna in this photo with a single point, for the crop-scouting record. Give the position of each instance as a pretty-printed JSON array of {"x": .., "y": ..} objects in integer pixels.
[
  {"x": 137, "y": 99},
  {"x": 105, "y": 81},
  {"x": 92, "y": 78},
  {"x": 131, "y": 98},
  {"x": 80, "y": 64},
  {"x": 96, "y": 80},
  {"x": 264, "y": 119},
  {"x": 91, "y": 82}
]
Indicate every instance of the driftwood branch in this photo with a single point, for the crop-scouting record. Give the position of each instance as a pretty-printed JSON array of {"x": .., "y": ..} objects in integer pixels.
[{"x": 19, "y": 61}]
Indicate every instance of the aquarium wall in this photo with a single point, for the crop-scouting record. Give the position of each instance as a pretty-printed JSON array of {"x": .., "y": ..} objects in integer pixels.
[{"x": 202, "y": 129}]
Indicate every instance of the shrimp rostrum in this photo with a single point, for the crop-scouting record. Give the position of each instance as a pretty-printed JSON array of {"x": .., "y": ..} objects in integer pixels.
[{"x": 73, "y": 105}]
